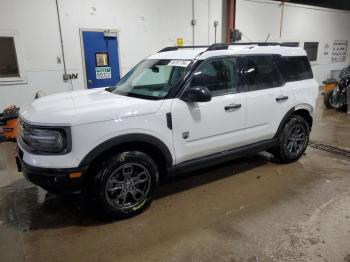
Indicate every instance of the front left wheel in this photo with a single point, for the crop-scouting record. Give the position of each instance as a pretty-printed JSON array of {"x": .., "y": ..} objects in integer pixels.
[{"x": 125, "y": 183}]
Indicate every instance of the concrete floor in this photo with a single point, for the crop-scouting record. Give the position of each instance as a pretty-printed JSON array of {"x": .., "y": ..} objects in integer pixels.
[{"x": 251, "y": 209}]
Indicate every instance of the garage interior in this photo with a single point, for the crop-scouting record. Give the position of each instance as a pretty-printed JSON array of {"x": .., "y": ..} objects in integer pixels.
[{"x": 249, "y": 209}]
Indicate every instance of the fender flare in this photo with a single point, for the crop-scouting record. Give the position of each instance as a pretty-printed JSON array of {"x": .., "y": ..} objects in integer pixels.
[
  {"x": 115, "y": 141},
  {"x": 307, "y": 107}
]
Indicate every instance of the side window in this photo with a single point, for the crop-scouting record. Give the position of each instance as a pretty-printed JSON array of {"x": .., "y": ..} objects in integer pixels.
[
  {"x": 295, "y": 68},
  {"x": 219, "y": 75},
  {"x": 261, "y": 72}
]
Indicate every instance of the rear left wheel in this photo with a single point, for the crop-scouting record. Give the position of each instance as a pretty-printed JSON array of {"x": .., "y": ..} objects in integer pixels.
[{"x": 293, "y": 140}]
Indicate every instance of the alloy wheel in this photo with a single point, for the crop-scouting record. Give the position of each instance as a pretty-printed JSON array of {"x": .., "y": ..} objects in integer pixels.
[
  {"x": 128, "y": 186},
  {"x": 296, "y": 139}
]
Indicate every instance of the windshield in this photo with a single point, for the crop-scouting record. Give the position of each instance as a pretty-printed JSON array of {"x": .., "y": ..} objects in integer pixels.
[{"x": 152, "y": 78}]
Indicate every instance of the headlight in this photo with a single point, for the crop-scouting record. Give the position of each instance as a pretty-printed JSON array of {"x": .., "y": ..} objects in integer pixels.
[{"x": 44, "y": 140}]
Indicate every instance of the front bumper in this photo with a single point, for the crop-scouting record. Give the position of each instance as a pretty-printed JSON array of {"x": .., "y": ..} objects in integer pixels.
[{"x": 52, "y": 179}]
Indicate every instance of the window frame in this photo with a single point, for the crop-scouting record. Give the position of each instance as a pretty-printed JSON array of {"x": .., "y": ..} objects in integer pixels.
[
  {"x": 240, "y": 86},
  {"x": 22, "y": 78}
]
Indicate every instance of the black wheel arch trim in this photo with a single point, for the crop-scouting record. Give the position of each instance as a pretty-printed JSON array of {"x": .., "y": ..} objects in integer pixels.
[
  {"x": 285, "y": 119},
  {"x": 119, "y": 140}
]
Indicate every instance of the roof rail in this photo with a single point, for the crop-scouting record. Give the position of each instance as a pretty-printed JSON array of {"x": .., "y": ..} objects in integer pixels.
[
  {"x": 222, "y": 46},
  {"x": 174, "y": 48}
]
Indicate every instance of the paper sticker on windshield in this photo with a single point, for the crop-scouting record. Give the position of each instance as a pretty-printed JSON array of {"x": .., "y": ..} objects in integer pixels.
[{"x": 182, "y": 63}]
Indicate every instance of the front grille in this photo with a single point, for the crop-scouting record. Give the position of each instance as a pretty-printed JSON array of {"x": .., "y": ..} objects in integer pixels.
[{"x": 330, "y": 148}]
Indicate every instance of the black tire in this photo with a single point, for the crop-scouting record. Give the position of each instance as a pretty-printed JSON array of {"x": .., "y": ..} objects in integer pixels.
[
  {"x": 125, "y": 183},
  {"x": 326, "y": 99},
  {"x": 293, "y": 140}
]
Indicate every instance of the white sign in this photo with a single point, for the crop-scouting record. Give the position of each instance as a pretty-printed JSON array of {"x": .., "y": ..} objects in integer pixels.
[
  {"x": 182, "y": 63},
  {"x": 103, "y": 72},
  {"x": 339, "y": 50}
]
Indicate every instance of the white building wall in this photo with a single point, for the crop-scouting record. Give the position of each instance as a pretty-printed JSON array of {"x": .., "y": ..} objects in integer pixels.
[
  {"x": 144, "y": 27},
  {"x": 258, "y": 18}
]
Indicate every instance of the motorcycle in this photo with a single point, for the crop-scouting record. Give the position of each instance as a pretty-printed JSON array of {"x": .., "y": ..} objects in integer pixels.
[{"x": 337, "y": 97}]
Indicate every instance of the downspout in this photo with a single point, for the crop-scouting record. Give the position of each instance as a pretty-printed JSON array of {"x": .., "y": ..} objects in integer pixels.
[
  {"x": 281, "y": 23},
  {"x": 208, "y": 21},
  {"x": 193, "y": 22},
  {"x": 65, "y": 75}
]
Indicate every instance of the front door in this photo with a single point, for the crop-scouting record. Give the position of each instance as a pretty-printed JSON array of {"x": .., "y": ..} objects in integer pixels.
[
  {"x": 101, "y": 59},
  {"x": 201, "y": 129}
]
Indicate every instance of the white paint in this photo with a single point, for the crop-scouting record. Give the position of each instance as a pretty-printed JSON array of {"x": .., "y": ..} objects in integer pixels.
[
  {"x": 211, "y": 129},
  {"x": 144, "y": 27},
  {"x": 258, "y": 18},
  {"x": 95, "y": 116}
]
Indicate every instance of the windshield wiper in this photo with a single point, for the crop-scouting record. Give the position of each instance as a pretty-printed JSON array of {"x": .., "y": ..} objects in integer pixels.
[{"x": 110, "y": 89}]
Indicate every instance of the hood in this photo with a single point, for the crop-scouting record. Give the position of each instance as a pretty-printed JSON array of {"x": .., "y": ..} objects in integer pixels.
[{"x": 85, "y": 106}]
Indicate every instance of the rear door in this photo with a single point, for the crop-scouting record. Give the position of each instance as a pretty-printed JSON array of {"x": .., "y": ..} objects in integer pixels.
[
  {"x": 205, "y": 128},
  {"x": 266, "y": 104}
]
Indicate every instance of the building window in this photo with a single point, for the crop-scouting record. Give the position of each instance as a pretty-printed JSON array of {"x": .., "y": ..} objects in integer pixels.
[
  {"x": 311, "y": 49},
  {"x": 10, "y": 60}
]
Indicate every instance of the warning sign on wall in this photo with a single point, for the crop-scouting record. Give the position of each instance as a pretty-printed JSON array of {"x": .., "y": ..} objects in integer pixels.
[
  {"x": 339, "y": 50},
  {"x": 103, "y": 72},
  {"x": 180, "y": 42}
]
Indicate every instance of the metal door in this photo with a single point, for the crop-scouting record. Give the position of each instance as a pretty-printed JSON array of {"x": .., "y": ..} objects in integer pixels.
[{"x": 101, "y": 59}]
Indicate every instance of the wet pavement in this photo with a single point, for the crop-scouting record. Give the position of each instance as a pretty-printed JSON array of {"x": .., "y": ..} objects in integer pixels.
[{"x": 251, "y": 209}]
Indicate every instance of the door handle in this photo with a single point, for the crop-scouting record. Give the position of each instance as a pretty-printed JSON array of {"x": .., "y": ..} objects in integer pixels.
[
  {"x": 281, "y": 98},
  {"x": 232, "y": 107}
]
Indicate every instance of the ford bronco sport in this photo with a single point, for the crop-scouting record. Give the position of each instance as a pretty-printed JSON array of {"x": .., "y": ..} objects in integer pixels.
[{"x": 178, "y": 110}]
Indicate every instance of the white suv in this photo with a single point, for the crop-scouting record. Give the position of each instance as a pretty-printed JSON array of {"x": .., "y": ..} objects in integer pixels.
[{"x": 178, "y": 110}]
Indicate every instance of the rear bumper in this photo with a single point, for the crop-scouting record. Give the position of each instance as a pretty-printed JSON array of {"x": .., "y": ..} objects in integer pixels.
[{"x": 52, "y": 179}]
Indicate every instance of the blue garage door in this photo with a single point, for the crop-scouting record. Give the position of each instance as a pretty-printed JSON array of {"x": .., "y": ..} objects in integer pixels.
[{"x": 101, "y": 59}]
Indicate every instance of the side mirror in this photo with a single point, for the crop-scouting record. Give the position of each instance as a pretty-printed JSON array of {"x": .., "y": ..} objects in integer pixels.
[{"x": 196, "y": 94}]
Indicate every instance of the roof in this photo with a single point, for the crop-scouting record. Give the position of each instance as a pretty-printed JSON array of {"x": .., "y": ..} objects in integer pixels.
[
  {"x": 201, "y": 53},
  {"x": 179, "y": 54}
]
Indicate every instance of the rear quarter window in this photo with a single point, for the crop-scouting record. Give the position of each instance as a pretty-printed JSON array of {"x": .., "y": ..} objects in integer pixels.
[{"x": 295, "y": 68}]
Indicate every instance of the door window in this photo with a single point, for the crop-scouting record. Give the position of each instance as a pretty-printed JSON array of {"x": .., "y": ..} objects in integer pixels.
[
  {"x": 102, "y": 59},
  {"x": 261, "y": 72},
  {"x": 219, "y": 75}
]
